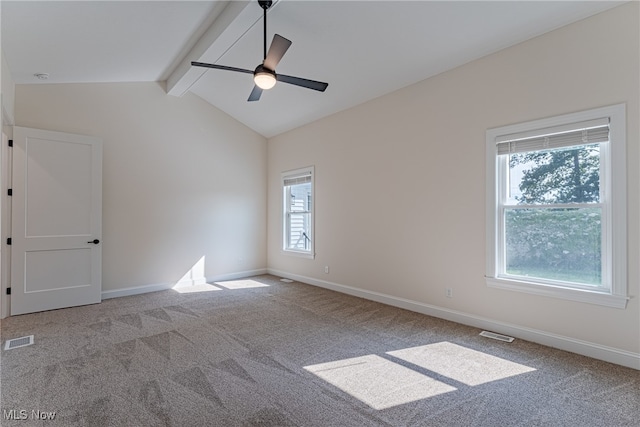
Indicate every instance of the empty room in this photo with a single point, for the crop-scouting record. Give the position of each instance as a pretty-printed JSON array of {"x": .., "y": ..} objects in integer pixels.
[{"x": 320, "y": 213}]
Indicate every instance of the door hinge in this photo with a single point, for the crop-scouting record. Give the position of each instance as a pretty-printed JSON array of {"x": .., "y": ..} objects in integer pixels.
[
  {"x": 10, "y": 192},
  {"x": 11, "y": 143},
  {"x": 9, "y": 241},
  {"x": 8, "y": 291}
]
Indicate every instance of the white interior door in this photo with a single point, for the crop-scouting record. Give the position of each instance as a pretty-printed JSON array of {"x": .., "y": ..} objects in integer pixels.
[{"x": 56, "y": 220}]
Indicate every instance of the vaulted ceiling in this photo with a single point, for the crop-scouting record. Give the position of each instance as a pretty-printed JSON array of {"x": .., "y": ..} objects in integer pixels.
[{"x": 363, "y": 49}]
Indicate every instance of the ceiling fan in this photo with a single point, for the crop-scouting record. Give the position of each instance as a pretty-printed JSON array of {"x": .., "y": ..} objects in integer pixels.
[{"x": 264, "y": 76}]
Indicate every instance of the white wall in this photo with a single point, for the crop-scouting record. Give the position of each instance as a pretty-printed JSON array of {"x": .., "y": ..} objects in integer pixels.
[
  {"x": 400, "y": 181},
  {"x": 182, "y": 180}
]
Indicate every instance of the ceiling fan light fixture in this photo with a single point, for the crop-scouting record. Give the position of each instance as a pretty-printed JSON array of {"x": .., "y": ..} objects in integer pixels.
[
  {"x": 264, "y": 76},
  {"x": 264, "y": 79}
]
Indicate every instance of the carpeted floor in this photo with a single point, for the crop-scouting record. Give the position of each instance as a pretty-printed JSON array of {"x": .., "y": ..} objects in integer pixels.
[{"x": 260, "y": 352}]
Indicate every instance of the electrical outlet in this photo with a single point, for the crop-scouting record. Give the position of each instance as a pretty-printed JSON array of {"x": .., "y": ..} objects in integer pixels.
[
  {"x": 326, "y": 269},
  {"x": 449, "y": 293}
]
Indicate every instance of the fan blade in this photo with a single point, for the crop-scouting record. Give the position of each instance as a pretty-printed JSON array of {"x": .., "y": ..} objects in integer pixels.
[
  {"x": 255, "y": 94},
  {"x": 279, "y": 46},
  {"x": 299, "y": 81},
  {"x": 220, "y": 67}
]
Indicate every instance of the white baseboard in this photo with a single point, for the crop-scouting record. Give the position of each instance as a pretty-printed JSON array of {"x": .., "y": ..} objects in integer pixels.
[
  {"x": 137, "y": 290},
  {"x": 585, "y": 348}
]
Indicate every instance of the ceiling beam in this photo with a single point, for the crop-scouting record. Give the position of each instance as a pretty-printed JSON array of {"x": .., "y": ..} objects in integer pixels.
[{"x": 236, "y": 18}]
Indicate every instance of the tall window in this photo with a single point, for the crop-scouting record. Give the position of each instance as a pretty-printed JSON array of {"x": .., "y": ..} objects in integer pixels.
[
  {"x": 298, "y": 211},
  {"x": 556, "y": 207}
]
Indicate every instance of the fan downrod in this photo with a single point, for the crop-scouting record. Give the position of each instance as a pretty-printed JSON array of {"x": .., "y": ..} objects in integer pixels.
[{"x": 265, "y": 4}]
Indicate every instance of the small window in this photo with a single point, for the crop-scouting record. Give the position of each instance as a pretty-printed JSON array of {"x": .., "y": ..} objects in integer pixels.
[
  {"x": 556, "y": 207},
  {"x": 298, "y": 233}
]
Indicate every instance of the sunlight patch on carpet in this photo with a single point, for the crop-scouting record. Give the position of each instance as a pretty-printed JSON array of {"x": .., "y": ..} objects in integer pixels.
[
  {"x": 242, "y": 284},
  {"x": 378, "y": 382},
  {"x": 205, "y": 287},
  {"x": 462, "y": 364}
]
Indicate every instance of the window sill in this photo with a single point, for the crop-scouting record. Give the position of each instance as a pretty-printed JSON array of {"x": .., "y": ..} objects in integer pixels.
[
  {"x": 299, "y": 254},
  {"x": 579, "y": 295}
]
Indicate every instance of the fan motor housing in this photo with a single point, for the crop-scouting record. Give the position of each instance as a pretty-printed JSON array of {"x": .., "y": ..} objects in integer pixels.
[{"x": 262, "y": 69}]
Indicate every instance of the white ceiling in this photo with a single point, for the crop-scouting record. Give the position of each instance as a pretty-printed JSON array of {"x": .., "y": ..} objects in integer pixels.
[{"x": 363, "y": 49}]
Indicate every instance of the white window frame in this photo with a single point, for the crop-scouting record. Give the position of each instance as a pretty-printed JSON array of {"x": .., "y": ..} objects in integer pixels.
[
  {"x": 307, "y": 171},
  {"x": 614, "y": 239}
]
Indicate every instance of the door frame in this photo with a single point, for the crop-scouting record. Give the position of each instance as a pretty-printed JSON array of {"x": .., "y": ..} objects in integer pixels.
[{"x": 5, "y": 218}]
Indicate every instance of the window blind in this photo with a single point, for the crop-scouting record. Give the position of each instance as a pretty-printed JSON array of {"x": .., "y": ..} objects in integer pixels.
[
  {"x": 296, "y": 180},
  {"x": 582, "y": 133}
]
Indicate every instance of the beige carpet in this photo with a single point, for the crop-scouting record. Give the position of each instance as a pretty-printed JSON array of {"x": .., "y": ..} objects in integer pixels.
[{"x": 259, "y": 352}]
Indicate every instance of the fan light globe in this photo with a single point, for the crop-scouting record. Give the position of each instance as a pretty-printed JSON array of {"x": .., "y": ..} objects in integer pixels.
[{"x": 264, "y": 80}]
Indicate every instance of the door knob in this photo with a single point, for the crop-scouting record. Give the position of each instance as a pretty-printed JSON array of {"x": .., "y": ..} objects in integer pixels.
[{"x": 94, "y": 241}]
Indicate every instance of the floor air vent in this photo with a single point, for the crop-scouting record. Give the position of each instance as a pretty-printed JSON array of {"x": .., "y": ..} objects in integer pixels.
[
  {"x": 18, "y": 342},
  {"x": 286, "y": 280},
  {"x": 495, "y": 336}
]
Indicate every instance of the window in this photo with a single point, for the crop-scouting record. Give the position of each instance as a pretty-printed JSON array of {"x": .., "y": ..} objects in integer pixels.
[
  {"x": 298, "y": 212},
  {"x": 556, "y": 207}
]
